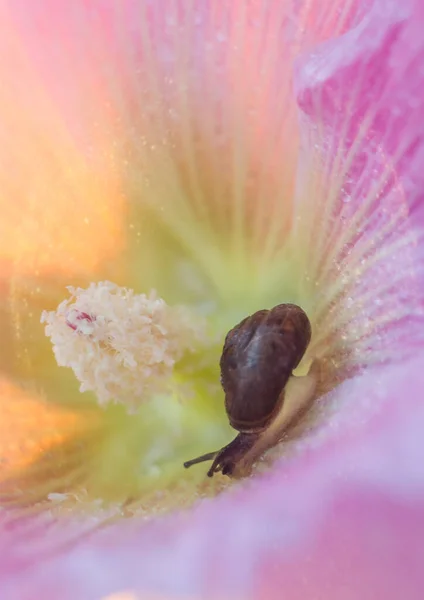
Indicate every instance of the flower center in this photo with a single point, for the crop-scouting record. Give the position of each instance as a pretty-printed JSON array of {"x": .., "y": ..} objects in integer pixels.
[
  {"x": 128, "y": 457},
  {"x": 158, "y": 368},
  {"x": 149, "y": 397}
]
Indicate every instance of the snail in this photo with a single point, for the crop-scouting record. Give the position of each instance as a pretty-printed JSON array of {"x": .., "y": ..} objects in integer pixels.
[{"x": 258, "y": 358}]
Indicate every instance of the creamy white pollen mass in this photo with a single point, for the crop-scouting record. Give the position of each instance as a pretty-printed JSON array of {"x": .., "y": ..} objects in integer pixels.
[{"x": 122, "y": 346}]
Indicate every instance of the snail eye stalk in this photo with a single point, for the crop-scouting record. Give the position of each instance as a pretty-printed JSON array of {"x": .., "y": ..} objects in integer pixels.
[{"x": 200, "y": 459}]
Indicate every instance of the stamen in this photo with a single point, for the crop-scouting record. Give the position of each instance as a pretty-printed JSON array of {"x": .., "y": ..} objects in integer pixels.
[{"x": 121, "y": 345}]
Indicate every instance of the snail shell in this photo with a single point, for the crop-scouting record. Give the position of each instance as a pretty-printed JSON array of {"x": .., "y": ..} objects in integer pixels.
[{"x": 258, "y": 358}]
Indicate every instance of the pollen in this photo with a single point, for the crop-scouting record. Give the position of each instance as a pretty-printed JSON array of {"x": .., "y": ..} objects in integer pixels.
[{"x": 122, "y": 346}]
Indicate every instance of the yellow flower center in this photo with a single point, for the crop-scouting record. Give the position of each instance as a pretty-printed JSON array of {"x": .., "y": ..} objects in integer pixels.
[{"x": 132, "y": 460}]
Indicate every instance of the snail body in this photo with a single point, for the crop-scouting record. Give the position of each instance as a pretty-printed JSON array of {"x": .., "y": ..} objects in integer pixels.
[{"x": 258, "y": 358}]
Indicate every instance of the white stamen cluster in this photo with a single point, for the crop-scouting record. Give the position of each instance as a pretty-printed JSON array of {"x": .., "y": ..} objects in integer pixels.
[{"x": 121, "y": 345}]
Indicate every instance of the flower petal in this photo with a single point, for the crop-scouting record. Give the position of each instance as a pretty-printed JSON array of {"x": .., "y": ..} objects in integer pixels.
[
  {"x": 61, "y": 201},
  {"x": 362, "y": 101},
  {"x": 187, "y": 108},
  {"x": 348, "y": 511}
]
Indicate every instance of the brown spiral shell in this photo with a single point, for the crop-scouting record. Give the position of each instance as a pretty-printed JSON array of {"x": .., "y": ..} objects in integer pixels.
[{"x": 258, "y": 358}]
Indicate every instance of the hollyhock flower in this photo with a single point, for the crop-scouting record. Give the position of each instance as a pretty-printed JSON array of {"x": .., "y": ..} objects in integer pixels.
[{"x": 231, "y": 157}]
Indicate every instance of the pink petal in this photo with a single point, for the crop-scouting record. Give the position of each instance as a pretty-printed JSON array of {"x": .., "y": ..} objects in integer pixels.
[
  {"x": 125, "y": 76},
  {"x": 362, "y": 97},
  {"x": 345, "y": 520},
  {"x": 370, "y": 86},
  {"x": 379, "y": 66}
]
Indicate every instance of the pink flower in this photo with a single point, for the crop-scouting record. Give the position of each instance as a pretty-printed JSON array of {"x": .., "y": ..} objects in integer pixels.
[{"x": 263, "y": 199}]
